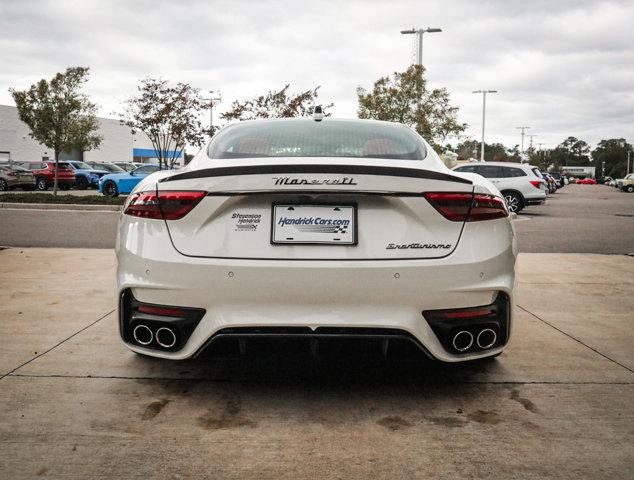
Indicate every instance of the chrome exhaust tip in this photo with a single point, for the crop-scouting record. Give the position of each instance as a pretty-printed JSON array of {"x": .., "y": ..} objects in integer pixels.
[
  {"x": 165, "y": 337},
  {"x": 463, "y": 340},
  {"x": 142, "y": 334},
  {"x": 486, "y": 338}
]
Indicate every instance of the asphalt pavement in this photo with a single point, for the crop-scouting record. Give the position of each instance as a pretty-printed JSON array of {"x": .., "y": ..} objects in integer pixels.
[{"x": 576, "y": 219}]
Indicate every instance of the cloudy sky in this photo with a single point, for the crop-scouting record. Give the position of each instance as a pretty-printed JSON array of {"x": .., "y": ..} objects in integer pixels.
[{"x": 561, "y": 67}]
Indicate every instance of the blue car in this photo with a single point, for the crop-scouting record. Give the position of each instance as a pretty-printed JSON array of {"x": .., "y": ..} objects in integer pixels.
[
  {"x": 85, "y": 175},
  {"x": 123, "y": 183}
]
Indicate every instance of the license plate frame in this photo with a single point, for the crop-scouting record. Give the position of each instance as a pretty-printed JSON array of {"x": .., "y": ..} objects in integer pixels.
[{"x": 349, "y": 237}]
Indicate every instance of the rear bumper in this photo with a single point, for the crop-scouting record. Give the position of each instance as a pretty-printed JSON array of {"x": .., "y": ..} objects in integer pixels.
[
  {"x": 13, "y": 183},
  {"x": 385, "y": 294},
  {"x": 535, "y": 201}
]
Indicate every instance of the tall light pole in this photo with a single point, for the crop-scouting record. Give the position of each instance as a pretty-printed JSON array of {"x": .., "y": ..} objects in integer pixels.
[
  {"x": 420, "y": 32},
  {"x": 484, "y": 107},
  {"x": 522, "y": 128}
]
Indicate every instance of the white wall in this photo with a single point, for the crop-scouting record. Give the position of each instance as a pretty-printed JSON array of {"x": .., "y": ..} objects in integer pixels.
[{"x": 117, "y": 143}]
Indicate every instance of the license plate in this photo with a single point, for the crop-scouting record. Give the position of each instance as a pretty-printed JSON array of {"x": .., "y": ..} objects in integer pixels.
[{"x": 314, "y": 224}]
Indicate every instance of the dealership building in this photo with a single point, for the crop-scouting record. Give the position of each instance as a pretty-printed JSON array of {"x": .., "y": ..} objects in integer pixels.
[
  {"x": 118, "y": 143},
  {"x": 578, "y": 172}
]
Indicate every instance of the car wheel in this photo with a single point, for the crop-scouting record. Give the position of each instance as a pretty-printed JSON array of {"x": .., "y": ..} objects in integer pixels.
[
  {"x": 513, "y": 202},
  {"x": 630, "y": 188},
  {"x": 3, "y": 185},
  {"x": 41, "y": 184},
  {"x": 110, "y": 189},
  {"x": 81, "y": 183}
]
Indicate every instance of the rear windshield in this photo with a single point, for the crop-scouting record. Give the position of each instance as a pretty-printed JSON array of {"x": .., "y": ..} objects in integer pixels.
[
  {"x": 308, "y": 138},
  {"x": 61, "y": 165},
  {"x": 81, "y": 165}
]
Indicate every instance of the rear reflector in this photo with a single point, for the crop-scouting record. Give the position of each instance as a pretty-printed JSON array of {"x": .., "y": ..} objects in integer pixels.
[
  {"x": 468, "y": 313},
  {"x": 536, "y": 183},
  {"x": 165, "y": 205},
  {"x": 467, "y": 207},
  {"x": 168, "y": 312}
]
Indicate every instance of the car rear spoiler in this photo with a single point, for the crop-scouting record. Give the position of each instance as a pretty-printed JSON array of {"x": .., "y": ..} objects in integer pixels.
[{"x": 316, "y": 169}]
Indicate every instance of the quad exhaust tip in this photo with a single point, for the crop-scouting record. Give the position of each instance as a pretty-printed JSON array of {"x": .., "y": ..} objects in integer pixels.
[
  {"x": 165, "y": 337},
  {"x": 143, "y": 334},
  {"x": 486, "y": 338},
  {"x": 462, "y": 341}
]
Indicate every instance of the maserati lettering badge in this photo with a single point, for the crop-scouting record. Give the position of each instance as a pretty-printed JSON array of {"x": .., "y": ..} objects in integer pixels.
[
  {"x": 314, "y": 181},
  {"x": 404, "y": 246}
]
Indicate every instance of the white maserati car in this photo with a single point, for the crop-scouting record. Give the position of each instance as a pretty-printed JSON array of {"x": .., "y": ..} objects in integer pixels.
[{"x": 316, "y": 228}]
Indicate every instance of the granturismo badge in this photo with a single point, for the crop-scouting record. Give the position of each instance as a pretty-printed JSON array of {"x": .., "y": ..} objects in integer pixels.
[{"x": 404, "y": 246}]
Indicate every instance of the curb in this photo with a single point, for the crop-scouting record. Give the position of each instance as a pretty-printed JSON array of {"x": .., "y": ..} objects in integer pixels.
[{"x": 60, "y": 206}]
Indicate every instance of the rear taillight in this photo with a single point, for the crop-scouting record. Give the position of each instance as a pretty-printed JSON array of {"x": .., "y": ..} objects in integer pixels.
[
  {"x": 165, "y": 205},
  {"x": 467, "y": 207},
  {"x": 536, "y": 183}
]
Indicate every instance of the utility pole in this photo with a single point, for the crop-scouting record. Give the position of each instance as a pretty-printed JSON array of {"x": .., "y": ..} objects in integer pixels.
[
  {"x": 484, "y": 106},
  {"x": 531, "y": 140},
  {"x": 523, "y": 129},
  {"x": 211, "y": 115},
  {"x": 419, "y": 32}
]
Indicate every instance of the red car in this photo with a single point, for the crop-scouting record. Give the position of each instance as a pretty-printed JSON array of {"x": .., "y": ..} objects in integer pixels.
[
  {"x": 587, "y": 181},
  {"x": 44, "y": 173}
]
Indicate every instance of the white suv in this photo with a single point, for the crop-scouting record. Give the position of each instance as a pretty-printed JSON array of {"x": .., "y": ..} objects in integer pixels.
[{"x": 520, "y": 184}]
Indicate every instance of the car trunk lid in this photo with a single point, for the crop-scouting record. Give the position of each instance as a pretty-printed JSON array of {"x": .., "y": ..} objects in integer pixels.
[{"x": 242, "y": 214}]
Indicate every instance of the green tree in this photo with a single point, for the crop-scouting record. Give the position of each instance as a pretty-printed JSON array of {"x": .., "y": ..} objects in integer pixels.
[
  {"x": 406, "y": 98},
  {"x": 169, "y": 115},
  {"x": 275, "y": 104},
  {"x": 612, "y": 152},
  {"x": 493, "y": 152},
  {"x": 58, "y": 114},
  {"x": 571, "y": 151}
]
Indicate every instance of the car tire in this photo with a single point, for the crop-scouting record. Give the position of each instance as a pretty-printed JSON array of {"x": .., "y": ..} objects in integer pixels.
[
  {"x": 110, "y": 189},
  {"x": 41, "y": 184},
  {"x": 81, "y": 183},
  {"x": 630, "y": 188},
  {"x": 4, "y": 186},
  {"x": 514, "y": 202}
]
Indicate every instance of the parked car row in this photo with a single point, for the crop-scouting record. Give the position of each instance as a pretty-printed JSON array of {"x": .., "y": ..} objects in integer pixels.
[
  {"x": 115, "y": 184},
  {"x": 625, "y": 184},
  {"x": 40, "y": 175},
  {"x": 521, "y": 185}
]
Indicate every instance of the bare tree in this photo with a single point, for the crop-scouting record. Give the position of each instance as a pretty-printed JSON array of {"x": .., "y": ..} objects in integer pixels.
[
  {"x": 275, "y": 104},
  {"x": 169, "y": 115}
]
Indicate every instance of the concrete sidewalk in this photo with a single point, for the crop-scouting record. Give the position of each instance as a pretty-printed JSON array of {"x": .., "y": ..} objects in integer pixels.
[{"x": 75, "y": 403}]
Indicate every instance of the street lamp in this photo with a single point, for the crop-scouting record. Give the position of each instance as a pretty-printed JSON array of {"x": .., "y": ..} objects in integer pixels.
[
  {"x": 484, "y": 106},
  {"x": 420, "y": 32}
]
